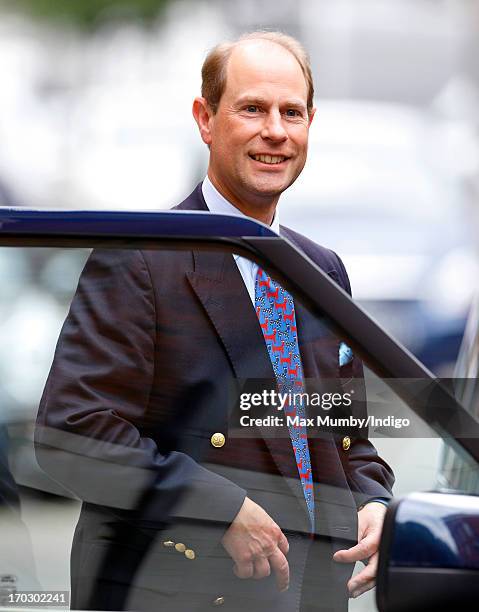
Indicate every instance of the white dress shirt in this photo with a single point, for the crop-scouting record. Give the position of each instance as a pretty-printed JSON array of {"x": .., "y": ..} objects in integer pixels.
[{"x": 216, "y": 203}]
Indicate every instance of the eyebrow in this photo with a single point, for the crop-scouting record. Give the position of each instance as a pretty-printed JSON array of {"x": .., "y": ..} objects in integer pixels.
[{"x": 247, "y": 99}]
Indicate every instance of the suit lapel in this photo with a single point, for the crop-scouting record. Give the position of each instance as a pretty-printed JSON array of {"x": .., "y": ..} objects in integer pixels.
[
  {"x": 305, "y": 339},
  {"x": 220, "y": 288},
  {"x": 319, "y": 346}
]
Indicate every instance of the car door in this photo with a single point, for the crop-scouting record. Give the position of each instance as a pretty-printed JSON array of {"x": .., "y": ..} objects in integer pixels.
[{"x": 184, "y": 266}]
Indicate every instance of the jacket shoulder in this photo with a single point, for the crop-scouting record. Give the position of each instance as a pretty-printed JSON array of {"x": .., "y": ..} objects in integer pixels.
[{"x": 326, "y": 259}]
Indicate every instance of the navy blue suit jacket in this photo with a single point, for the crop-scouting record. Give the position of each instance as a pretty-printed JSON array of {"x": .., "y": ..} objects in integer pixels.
[{"x": 139, "y": 383}]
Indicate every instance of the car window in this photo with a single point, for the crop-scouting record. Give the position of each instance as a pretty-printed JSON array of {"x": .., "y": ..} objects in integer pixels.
[
  {"x": 146, "y": 377},
  {"x": 455, "y": 472}
]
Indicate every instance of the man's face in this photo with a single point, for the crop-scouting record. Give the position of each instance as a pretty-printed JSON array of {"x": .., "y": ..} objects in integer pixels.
[{"x": 259, "y": 134}]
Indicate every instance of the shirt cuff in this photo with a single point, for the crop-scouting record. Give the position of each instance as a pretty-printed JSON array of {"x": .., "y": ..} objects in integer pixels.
[{"x": 380, "y": 500}]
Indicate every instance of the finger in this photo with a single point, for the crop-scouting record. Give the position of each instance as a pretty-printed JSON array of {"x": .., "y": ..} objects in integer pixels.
[
  {"x": 280, "y": 566},
  {"x": 366, "y": 578},
  {"x": 244, "y": 570},
  {"x": 283, "y": 544},
  {"x": 366, "y": 587},
  {"x": 262, "y": 568},
  {"x": 363, "y": 550}
]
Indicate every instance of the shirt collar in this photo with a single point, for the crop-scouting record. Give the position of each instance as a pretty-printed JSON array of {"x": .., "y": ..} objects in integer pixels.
[{"x": 219, "y": 204}]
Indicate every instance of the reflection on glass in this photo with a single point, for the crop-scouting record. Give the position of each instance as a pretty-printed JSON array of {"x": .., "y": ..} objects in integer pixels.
[{"x": 134, "y": 422}]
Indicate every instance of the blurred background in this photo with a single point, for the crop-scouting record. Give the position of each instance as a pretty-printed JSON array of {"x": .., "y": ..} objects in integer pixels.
[{"x": 95, "y": 112}]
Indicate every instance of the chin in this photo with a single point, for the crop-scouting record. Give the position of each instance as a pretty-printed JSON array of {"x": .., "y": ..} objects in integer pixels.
[{"x": 269, "y": 188}]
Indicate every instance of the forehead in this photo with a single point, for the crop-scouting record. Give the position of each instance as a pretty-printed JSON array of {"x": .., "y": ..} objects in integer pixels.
[{"x": 264, "y": 68}]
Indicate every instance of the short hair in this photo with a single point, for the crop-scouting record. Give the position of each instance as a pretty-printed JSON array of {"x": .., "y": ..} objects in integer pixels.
[{"x": 214, "y": 67}]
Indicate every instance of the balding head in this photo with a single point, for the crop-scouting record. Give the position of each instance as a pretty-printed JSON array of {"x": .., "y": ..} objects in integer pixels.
[{"x": 215, "y": 67}]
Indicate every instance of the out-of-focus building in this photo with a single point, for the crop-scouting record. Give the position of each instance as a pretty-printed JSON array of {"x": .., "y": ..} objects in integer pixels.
[
  {"x": 403, "y": 51},
  {"x": 103, "y": 119}
]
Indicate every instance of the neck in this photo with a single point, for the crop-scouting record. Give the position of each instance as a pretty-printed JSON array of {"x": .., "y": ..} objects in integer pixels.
[{"x": 260, "y": 208}]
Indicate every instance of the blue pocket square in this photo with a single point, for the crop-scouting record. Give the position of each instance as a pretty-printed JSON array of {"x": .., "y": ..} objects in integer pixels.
[{"x": 345, "y": 354}]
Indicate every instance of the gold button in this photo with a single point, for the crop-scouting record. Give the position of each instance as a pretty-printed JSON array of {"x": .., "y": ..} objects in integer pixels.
[
  {"x": 168, "y": 544},
  {"x": 190, "y": 554},
  {"x": 346, "y": 443},
  {"x": 180, "y": 547},
  {"x": 219, "y": 601},
  {"x": 218, "y": 440}
]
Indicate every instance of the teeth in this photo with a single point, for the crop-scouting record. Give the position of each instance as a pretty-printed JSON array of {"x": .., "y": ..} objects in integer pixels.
[{"x": 269, "y": 159}]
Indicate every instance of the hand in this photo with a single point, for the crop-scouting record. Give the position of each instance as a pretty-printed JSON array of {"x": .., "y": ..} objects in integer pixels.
[
  {"x": 370, "y": 524},
  {"x": 257, "y": 545}
]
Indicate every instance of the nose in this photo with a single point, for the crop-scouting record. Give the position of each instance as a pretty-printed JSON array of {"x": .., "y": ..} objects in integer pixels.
[{"x": 273, "y": 128}]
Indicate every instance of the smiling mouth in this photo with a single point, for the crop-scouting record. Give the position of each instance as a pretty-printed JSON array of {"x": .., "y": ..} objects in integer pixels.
[{"x": 270, "y": 159}]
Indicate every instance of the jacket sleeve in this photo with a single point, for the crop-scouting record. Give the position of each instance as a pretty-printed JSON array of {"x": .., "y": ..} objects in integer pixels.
[
  {"x": 88, "y": 435},
  {"x": 369, "y": 476}
]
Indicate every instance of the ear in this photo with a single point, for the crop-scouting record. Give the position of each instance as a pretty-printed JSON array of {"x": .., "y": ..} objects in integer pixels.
[
  {"x": 203, "y": 115},
  {"x": 311, "y": 116}
]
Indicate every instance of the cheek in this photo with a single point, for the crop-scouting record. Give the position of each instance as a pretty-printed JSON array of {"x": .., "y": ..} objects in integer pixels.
[
  {"x": 300, "y": 137},
  {"x": 230, "y": 141},
  {"x": 240, "y": 133}
]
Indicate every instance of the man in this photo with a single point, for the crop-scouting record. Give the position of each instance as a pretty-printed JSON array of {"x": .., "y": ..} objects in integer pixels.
[{"x": 140, "y": 381}]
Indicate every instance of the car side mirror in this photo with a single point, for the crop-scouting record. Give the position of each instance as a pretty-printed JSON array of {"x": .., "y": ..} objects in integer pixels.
[{"x": 429, "y": 554}]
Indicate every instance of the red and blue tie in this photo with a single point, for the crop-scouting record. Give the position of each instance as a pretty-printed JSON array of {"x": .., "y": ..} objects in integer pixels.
[{"x": 275, "y": 310}]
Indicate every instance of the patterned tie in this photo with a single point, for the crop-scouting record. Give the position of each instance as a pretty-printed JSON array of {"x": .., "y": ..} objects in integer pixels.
[{"x": 275, "y": 310}]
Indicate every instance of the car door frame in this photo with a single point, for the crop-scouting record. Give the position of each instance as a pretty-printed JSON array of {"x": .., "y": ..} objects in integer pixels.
[{"x": 185, "y": 230}]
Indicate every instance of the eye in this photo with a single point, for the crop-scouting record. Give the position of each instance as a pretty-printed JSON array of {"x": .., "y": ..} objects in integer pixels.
[
  {"x": 292, "y": 112},
  {"x": 251, "y": 108}
]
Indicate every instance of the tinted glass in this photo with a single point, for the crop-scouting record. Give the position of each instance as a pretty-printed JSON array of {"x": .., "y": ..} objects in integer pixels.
[{"x": 160, "y": 391}]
